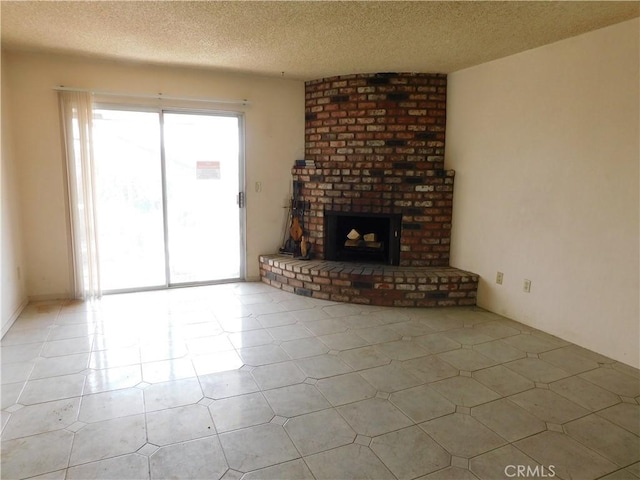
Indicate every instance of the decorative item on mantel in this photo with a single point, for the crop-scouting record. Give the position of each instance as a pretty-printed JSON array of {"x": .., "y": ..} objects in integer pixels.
[{"x": 296, "y": 241}]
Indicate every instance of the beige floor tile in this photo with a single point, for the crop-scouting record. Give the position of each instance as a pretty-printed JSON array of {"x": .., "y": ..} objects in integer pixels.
[
  {"x": 568, "y": 360},
  {"x": 466, "y": 359},
  {"x": 530, "y": 343},
  {"x": 508, "y": 420},
  {"x": 37, "y": 454},
  {"x": 422, "y": 403},
  {"x": 499, "y": 351},
  {"x": 109, "y": 438},
  {"x": 179, "y": 424},
  {"x": 496, "y": 330},
  {"x": 319, "y": 431},
  {"x": 289, "y": 332},
  {"x": 373, "y": 417},
  {"x": 211, "y": 344},
  {"x": 228, "y": 384},
  {"x": 503, "y": 380},
  {"x": 430, "y": 368},
  {"x": 502, "y": 464},
  {"x": 257, "y": 447},
  {"x": 464, "y": 391},
  {"x": 614, "y": 381},
  {"x": 41, "y": 418},
  {"x": 16, "y": 372},
  {"x": 350, "y": 461},
  {"x": 54, "y": 388},
  {"x": 114, "y": 404},
  {"x": 292, "y": 470},
  {"x": 113, "y": 379},
  {"x": 70, "y": 346},
  {"x": 379, "y": 334},
  {"x": 9, "y": 394},
  {"x": 412, "y": 328},
  {"x": 55, "y": 366},
  {"x": 548, "y": 406},
  {"x": 325, "y": 326},
  {"x": 296, "y": 400},
  {"x": 468, "y": 336},
  {"x": 322, "y": 366},
  {"x": 166, "y": 370},
  {"x": 172, "y": 394},
  {"x": 124, "y": 467},
  {"x": 263, "y": 355},
  {"x": 114, "y": 357},
  {"x": 277, "y": 375},
  {"x": 250, "y": 338},
  {"x": 343, "y": 389},
  {"x": 363, "y": 358},
  {"x": 343, "y": 341},
  {"x": 390, "y": 378},
  {"x": 609, "y": 440},
  {"x": 570, "y": 458},
  {"x": 304, "y": 347},
  {"x": 450, "y": 473},
  {"x": 202, "y": 458},
  {"x": 436, "y": 343},
  {"x": 462, "y": 435},
  {"x": 410, "y": 453},
  {"x": 625, "y": 415},
  {"x": 584, "y": 393},
  {"x": 342, "y": 310},
  {"x": 21, "y": 336},
  {"x": 240, "y": 412},
  {"x": 401, "y": 350},
  {"x": 537, "y": 370}
]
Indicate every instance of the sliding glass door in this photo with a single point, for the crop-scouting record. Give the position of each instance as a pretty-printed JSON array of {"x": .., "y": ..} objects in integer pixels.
[
  {"x": 167, "y": 185},
  {"x": 202, "y": 172}
]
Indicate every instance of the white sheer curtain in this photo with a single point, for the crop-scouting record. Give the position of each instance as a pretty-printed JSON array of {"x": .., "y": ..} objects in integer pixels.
[{"x": 77, "y": 114}]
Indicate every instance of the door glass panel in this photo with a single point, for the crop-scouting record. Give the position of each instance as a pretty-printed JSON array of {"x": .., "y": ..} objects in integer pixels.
[
  {"x": 129, "y": 199},
  {"x": 202, "y": 182}
]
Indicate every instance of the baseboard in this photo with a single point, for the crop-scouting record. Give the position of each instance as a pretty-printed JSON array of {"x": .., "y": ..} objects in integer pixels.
[
  {"x": 50, "y": 297},
  {"x": 13, "y": 317}
]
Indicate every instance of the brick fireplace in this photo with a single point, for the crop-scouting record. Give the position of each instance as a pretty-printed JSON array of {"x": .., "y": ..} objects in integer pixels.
[{"x": 377, "y": 141}]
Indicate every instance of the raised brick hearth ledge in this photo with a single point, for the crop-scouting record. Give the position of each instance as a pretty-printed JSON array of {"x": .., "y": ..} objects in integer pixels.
[{"x": 365, "y": 283}]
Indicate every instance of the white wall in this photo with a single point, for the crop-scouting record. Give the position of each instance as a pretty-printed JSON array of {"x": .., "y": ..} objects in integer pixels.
[
  {"x": 274, "y": 138},
  {"x": 13, "y": 295},
  {"x": 545, "y": 145}
]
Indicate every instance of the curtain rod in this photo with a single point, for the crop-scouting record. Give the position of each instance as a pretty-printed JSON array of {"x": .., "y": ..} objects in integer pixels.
[{"x": 157, "y": 96}]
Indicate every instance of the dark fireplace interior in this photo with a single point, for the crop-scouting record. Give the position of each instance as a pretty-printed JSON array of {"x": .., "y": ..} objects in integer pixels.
[{"x": 363, "y": 237}]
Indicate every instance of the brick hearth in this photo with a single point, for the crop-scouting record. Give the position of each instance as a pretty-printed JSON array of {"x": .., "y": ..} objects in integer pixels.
[{"x": 364, "y": 283}]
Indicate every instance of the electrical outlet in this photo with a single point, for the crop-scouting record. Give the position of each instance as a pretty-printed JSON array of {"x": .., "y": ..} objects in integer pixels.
[
  {"x": 527, "y": 286},
  {"x": 499, "y": 277}
]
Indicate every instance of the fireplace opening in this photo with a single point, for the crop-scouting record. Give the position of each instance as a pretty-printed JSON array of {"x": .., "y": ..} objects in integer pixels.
[{"x": 364, "y": 237}]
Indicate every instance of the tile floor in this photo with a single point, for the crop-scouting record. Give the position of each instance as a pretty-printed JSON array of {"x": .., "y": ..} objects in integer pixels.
[{"x": 245, "y": 381}]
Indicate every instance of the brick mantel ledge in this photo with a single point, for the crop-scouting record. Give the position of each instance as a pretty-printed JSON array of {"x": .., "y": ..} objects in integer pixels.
[{"x": 370, "y": 284}]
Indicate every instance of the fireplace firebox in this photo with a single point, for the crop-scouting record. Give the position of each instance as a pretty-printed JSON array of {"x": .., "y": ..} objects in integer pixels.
[{"x": 362, "y": 237}]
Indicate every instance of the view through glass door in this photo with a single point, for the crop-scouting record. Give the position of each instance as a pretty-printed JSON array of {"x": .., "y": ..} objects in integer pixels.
[{"x": 167, "y": 186}]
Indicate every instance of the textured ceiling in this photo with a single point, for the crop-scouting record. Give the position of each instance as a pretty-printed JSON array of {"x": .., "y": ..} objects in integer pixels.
[{"x": 305, "y": 40}]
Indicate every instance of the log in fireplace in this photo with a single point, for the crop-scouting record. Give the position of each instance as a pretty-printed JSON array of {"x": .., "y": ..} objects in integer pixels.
[{"x": 362, "y": 237}]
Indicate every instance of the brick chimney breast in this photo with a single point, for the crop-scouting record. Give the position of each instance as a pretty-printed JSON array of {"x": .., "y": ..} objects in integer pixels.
[{"x": 378, "y": 144}]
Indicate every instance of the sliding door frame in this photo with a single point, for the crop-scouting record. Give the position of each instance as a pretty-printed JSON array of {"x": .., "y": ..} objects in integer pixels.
[{"x": 242, "y": 219}]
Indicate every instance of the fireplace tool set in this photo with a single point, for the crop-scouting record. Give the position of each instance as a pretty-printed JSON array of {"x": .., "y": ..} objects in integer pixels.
[{"x": 296, "y": 240}]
